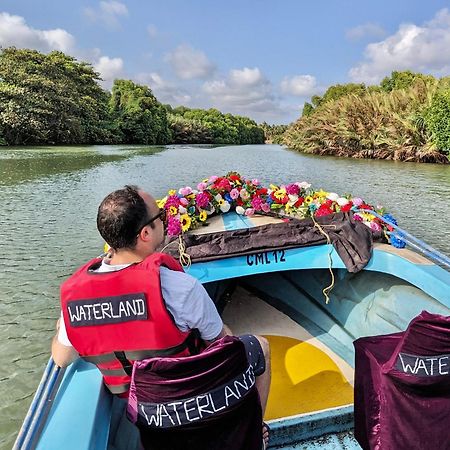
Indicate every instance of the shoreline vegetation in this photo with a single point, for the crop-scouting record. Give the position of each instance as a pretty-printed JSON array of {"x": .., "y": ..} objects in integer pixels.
[
  {"x": 53, "y": 99},
  {"x": 405, "y": 118}
]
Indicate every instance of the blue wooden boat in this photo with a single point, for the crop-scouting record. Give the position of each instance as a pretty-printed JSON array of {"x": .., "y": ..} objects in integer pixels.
[{"x": 278, "y": 294}]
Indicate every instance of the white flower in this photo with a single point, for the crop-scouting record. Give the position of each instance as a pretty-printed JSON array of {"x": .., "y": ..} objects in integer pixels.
[
  {"x": 293, "y": 199},
  {"x": 332, "y": 196},
  {"x": 341, "y": 201},
  {"x": 218, "y": 197},
  {"x": 225, "y": 207},
  {"x": 182, "y": 210},
  {"x": 303, "y": 185},
  {"x": 240, "y": 210}
]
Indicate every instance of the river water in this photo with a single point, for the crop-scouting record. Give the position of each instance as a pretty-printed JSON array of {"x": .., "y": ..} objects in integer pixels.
[{"x": 48, "y": 202}]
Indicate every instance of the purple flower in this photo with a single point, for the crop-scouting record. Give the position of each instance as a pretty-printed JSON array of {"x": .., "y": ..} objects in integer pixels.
[{"x": 202, "y": 200}]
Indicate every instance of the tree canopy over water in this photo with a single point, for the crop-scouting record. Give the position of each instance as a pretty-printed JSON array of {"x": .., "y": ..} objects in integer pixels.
[{"x": 55, "y": 99}]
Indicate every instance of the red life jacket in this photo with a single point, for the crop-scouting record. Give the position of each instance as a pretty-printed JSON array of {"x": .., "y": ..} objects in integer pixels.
[{"x": 115, "y": 318}]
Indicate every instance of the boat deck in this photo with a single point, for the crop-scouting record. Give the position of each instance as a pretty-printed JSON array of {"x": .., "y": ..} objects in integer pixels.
[{"x": 307, "y": 374}]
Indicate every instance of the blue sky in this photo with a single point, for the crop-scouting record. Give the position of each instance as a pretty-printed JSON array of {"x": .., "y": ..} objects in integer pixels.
[{"x": 258, "y": 58}]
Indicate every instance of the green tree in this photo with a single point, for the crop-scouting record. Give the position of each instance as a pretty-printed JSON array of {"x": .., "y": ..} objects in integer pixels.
[
  {"x": 50, "y": 99},
  {"x": 403, "y": 80},
  {"x": 437, "y": 120},
  {"x": 137, "y": 116}
]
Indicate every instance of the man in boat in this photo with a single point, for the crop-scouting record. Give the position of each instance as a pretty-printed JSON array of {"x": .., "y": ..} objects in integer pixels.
[{"x": 139, "y": 303}]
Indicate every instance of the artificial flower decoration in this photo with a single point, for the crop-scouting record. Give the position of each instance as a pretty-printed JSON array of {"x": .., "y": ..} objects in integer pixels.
[{"x": 188, "y": 208}]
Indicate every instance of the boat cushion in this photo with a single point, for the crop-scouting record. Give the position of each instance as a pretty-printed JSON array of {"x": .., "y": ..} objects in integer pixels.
[
  {"x": 402, "y": 387},
  {"x": 207, "y": 401}
]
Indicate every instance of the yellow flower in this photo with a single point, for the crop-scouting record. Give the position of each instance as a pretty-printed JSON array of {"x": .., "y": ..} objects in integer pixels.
[
  {"x": 288, "y": 208},
  {"x": 308, "y": 200},
  {"x": 220, "y": 202},
  {"x": 161, "y": 203},
  {"x": 366, "y": 216},
  {"x": 321, "y": 194},
  {"x": 172, "y": 192},
  {"x": 173, "y": 211},
  {"x": 185, "y": 222},
  {"x": 273, "y": 187},
  {"x": 280, "y": 194},
  {"x": 203, "y": 215}
]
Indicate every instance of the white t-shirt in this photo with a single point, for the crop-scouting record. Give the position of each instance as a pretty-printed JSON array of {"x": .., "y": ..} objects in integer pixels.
[{"x": 186, "y": 299}]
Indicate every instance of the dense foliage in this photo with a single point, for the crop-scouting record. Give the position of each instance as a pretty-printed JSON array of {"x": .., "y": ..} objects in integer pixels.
[
  {"x": 406, "y": 118},
  {"x": 55, "y": 99},
  {"x": 136, "y": 114},
  {"x": 200, "y": 126},
  {"x": 274, "y": 133},
  {"x": 50, "y": 99}
]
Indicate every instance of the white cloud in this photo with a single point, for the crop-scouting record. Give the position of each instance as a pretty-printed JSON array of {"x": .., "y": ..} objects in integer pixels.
[
  {"x": 152, "y": 31},
  {"x": 109, "y": 69},
  {"x": 189, "y": 63},
  {"x": 423, "y": 48},
  {"x": 15, "y": 31},
  {"x": 244, "y": 91},
  {"x": 299, "y": 85},
  {"x": 108, "y": 13},
  {"x": 164, "y": 91},
  {"x": 367, "y": 30}
]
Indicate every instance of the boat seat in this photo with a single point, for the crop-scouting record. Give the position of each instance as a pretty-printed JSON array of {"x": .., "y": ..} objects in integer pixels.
[{"x": 402, "y": 386}]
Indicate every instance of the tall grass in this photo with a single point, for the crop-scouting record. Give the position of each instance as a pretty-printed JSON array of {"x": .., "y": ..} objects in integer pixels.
[{"x": 373, "y": 125}]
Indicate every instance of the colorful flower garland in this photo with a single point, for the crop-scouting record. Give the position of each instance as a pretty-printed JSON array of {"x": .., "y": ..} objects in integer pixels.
[{"x": 188, "y": 208}]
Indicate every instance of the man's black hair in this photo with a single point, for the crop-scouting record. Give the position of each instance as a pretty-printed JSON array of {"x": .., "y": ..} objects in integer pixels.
[{"x": 120, "y": 216}]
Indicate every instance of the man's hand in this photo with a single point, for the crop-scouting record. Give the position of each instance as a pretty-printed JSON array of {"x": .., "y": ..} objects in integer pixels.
[{"x": 61, "y": 354}]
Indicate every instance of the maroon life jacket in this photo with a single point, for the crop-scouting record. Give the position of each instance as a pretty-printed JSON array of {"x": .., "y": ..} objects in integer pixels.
[{"x": 115, "y": 318}]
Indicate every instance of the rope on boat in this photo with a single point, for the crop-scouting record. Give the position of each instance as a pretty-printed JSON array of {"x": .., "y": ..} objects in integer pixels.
[
  {"x": 185, "y": 258},
  {"x": 327, "y": 289}
]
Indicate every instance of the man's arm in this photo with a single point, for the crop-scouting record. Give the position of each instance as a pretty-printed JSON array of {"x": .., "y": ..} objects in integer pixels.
[
  {"x": 225, "y": 332},
  {"x": 63, "y": 355}
]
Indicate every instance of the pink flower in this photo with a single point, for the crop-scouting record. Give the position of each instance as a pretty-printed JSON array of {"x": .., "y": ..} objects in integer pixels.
[
  {"x": 375, "y": 226},
  {"x": 213, "y": 178},
  {"x": 173, "y": 200},
  {"x": 185, "y": 191},
  {"x": 257, "y": 203},
  {"x": 292, "y": 189},
  {"x": 202, "y": 200},
  {"x": 357, "y": 201},
  {"x": 224, "y": 184},
  {"x": 173, "y": 226},
  {"x": 265, "y": 207},
  {"x": 249, "y": 212},
  {"x": 244, "y": 194},
  {"x": 357, "y": 217},
  {"x": 202, "y": 186},
  {"x": 234, "y": 194},
  {"x": 255, "y": 182},
  {"x": 184, "y": 201}
]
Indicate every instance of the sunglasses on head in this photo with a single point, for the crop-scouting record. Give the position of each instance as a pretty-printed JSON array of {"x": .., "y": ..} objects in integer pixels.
[{"x": 161, "y": 215}]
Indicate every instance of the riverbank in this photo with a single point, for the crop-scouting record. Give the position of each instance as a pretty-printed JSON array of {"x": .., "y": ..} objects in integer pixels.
[{"x": 405, "y": 118}]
